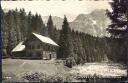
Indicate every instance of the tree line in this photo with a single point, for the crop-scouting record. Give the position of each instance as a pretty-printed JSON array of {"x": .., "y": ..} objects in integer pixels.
[{"x": 16, "y": 26}]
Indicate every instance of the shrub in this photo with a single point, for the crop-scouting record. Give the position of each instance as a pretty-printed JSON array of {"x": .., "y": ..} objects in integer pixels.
[{"x": 33, "y": 76}]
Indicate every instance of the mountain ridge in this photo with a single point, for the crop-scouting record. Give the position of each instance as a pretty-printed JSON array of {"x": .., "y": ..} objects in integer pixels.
[{"x": 94, "y": 23}]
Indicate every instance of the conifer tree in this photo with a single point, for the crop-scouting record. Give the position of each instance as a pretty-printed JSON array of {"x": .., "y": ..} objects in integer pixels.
[
  {"x": 65, "y": 50},
  {"x": 4, "y": 34},
  {"x": 29, "y": 20},
  {"x": 17, "y": 23},
  {"x": 12, "y": 39},
  {"x": 50, "y": 27},
  {"x": 37, "y": 24},
  {"x": 119, "y": 18},
  {"x": 119, "y": 25}
]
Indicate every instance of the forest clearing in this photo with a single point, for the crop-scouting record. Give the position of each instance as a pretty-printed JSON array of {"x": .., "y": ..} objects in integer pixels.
[{"x": 16, "y": 69}]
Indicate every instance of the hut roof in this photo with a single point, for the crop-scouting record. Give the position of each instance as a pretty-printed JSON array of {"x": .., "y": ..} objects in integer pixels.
[
  {"x": 45, "y": 39},
  {"x": 19, "y": 47}
]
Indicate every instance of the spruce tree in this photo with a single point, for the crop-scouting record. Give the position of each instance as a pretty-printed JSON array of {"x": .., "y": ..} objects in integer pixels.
[
  {"x": 119, "y": 18},
  {"x": 41, "y": 25},
  {"x": 65, "y": 50},
  {"x": 50, "y": 27},
  {"x": 119, "y": 24},
  {"x": 4, "y": 34},
  {"x": 17, "y": 23},
  {"x": 12, "y": 39},
  {"x": 23, "y": 23},
  {"x": 29, "y": 20}
]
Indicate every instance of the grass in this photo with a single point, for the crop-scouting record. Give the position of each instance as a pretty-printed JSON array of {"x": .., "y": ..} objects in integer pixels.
[{"x": 54, "y": 71}]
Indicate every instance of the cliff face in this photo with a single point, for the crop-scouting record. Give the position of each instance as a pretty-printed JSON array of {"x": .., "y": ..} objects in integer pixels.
[{"x": 94, "y": 23}]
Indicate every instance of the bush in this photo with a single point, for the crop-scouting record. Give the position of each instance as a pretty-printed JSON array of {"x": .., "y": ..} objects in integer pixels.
[
  {"x": 33, "y": 76},
  {"x": 41, "y": 77},
  {"x": 70, "y": 62}
]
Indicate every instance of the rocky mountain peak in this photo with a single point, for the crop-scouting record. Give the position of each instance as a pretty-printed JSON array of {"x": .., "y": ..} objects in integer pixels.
[{"x": 94, "y": 23}]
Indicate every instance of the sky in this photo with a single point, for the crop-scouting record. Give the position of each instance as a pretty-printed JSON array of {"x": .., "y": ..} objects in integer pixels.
[{"x": 70, "y": 8}]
